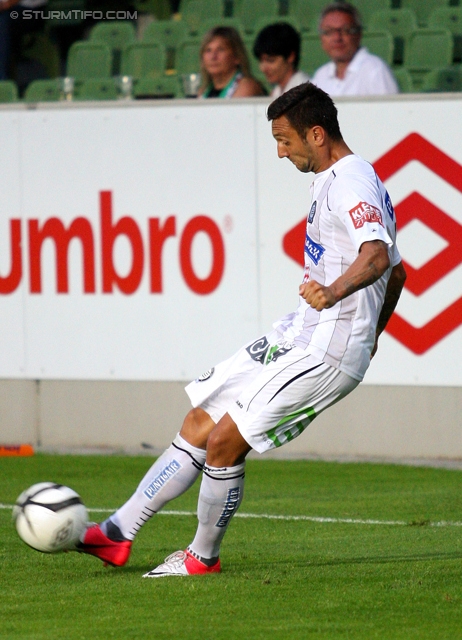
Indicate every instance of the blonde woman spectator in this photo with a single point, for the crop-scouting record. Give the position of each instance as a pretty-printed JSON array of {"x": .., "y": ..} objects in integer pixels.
[{"x": 225, "y": 66}]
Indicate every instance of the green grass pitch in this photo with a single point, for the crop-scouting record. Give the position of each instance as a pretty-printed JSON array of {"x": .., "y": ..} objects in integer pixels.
[{"x": 282, "y": 578}]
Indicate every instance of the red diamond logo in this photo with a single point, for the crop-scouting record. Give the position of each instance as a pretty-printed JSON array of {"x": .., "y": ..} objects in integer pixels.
[{"x": 415, "y": 207}]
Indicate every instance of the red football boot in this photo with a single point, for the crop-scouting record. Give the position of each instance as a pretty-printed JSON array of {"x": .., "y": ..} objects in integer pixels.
[
  {"x": 95, "y": 543},
  {"x": 182, "y": 563}
]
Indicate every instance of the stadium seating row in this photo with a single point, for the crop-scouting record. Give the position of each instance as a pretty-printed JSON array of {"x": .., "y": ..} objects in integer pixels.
[
  {"x": 171, "y": 46},
  {"x": 445, "y": 79},
  {"x": 422, "y": 50},
  {"x": 305, "y": 12},
  {"x": 389, "y": 34}
]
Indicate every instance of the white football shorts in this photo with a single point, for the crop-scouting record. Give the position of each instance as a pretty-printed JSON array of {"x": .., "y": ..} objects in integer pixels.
[{"x": 272, "y": 390}]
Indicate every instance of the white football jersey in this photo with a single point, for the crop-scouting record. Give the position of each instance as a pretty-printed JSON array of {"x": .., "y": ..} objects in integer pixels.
[{"x": 350, "y": 206}]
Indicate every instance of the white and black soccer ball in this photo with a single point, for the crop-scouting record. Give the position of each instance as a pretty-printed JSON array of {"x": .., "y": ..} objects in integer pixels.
[{"x": 50, "y": 517}]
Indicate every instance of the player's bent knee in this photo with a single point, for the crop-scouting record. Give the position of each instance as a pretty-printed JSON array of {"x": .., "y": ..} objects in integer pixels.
[
  {"x": 225, "y": 446},
  {"x": 196, "y": 427}
]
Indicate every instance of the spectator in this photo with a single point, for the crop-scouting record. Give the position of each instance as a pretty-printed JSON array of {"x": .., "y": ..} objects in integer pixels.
[
  {"x": 277, "y": 47},
  {"x": 5, "y": 37},
  {"x": 225, "y": 66},
  {"x": 352, "y": 70},
  {"x": 25, "y": 29}
]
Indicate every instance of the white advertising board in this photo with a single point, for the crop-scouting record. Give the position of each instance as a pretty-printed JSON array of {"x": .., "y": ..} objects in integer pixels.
[
  {"x": 164, "y": 200},
  {"x": 157, "y": 239}
]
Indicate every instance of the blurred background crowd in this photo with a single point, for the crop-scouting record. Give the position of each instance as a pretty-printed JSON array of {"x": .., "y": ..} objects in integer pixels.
[{"x": 96, "y": 49}]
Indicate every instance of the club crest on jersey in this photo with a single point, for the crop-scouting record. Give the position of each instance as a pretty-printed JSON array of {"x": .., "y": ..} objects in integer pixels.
[
  {"x": 312, "y": 213},
  {"x": 258, "y": 349},
  {"x": 206, "y": 375},
  {"x": 389, "y": 206},
  {"x": 313, "y": 250},
  {"x": 365, "y": 212}
]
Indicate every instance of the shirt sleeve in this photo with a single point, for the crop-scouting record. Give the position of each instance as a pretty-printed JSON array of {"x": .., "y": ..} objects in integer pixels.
[{"x": 358, "y": 204}]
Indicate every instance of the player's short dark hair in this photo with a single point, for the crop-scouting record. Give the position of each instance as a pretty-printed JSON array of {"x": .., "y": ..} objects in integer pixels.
[
  {"x": 306, "y": 106},
  {"x": 278, "y": 39}
]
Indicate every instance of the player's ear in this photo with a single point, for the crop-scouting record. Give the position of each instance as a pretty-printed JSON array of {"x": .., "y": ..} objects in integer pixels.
[{"x": 318, "y": 135}]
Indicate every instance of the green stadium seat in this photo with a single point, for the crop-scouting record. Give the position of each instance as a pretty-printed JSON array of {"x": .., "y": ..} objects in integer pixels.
[
  {"x": 447, "y": 80},
  {"x": 368, "y": 7},
  {"x": 196, "y": 11},
  {"x": 43, "y": 91},
  {"x": 42, "y": 48},
  {"x": 160, "y": 9},
  {"x": 162, "y": 87},
  {"x": 188, "y": 56},
  {"x": 168, "y": 33},
  {"x": 449, "y": 18},
  {"x": 117, "y": 35},
  {"x": 235, "y": 23},
  {"x": 249, "y": 11},
  {"x": 97, "y": 89},
  {"x": 143, "y": 59},
  {"x": 404, "y": 80},
  {"x": 400, "y": 23},
  {"x": 427, "y": 49},
  {"x": 89, "y": 60},
  {"x": 312, "y": 55},
  {"x": 423, "y": 8},
  {"x": 307, "y": 13},
  {"x": 430, "y": 48},
  {"x": 264, "y": 21},
  {"x": 8, "y": 91},
  {"x": 379, "y": 43}
]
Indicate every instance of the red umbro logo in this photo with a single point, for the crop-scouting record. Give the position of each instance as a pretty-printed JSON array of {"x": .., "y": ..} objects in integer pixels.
[{"x": 415, "y": 207}]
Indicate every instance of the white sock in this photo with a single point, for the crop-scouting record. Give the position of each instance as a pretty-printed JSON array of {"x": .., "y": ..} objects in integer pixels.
[
  {"x": 170, "y": 476},
  {"x": 222, "y": 490}
]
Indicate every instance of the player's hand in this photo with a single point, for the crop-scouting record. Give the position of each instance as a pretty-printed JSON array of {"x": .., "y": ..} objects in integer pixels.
[{"x": 316, "y": 295}]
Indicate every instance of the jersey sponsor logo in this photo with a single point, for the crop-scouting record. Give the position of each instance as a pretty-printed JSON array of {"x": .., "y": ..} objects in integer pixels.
[
  {"x": 277, "y": 351},
  {"x": 365, "y": 212},
  {"x": 230, "y": 507},
  {"x": 313, "y": 250},
  {"x": 206, "y": 375},
  {"x": 258, "y": 349},
  {"x": 312, "y": 213},
  {"x": 161, "y": 480},
  {"x": 389, "y": 206}
]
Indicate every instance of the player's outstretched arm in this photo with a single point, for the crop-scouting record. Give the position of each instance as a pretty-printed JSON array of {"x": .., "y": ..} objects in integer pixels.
[
  {"x": 394, "y": 287},
  {"x": 369, "y": 266}
]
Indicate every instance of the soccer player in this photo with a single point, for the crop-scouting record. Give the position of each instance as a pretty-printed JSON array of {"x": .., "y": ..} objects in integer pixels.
[{"x": 272, "y": 388}]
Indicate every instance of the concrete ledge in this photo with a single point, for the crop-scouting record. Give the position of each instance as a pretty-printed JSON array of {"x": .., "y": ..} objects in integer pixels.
[{"x": 401, "y": 424}]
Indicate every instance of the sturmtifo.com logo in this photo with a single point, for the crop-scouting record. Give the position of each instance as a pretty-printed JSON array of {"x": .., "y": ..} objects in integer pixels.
[{"x": 72, "y": 15}]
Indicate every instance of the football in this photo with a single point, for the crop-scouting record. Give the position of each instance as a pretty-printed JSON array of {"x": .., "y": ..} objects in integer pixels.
[{"x": 50, "y": 517}]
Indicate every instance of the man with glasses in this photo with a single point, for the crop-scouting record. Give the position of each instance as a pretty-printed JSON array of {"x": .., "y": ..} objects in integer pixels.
[{"x": 352, "y": 70}]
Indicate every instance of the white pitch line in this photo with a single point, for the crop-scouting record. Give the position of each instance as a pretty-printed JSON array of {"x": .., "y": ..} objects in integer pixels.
[{"x": 322, "y": 520}]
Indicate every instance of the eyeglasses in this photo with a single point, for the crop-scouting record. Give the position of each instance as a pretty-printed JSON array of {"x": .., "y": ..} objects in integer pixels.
[{"x": 343, "y": 31}]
